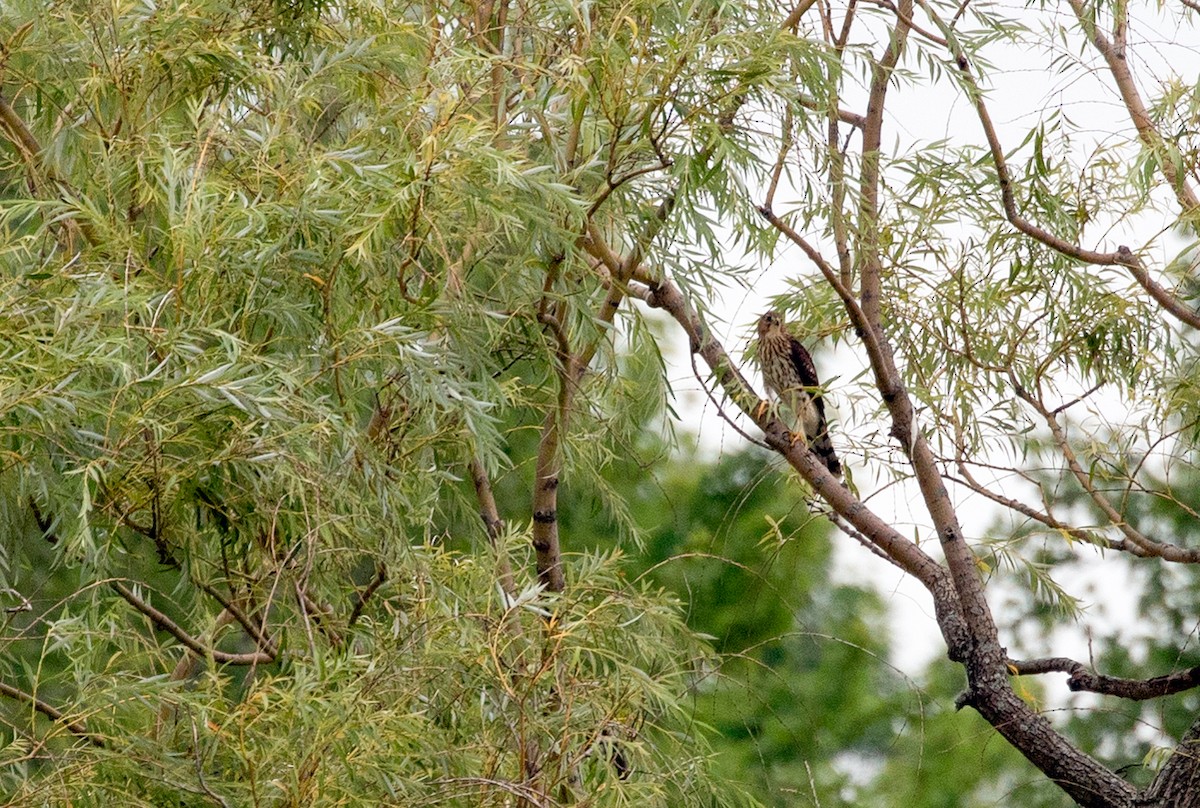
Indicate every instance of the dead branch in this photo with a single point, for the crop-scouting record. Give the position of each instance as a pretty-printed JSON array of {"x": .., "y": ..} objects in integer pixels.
[{"x": 1080, "y": 678}]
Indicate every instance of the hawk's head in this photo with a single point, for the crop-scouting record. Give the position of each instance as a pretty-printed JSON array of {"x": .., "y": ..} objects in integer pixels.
[{"x": 769, "y": 322}]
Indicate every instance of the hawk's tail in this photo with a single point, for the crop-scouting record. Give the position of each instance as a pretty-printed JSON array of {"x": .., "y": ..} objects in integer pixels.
[{"x": 823, "y": 448}]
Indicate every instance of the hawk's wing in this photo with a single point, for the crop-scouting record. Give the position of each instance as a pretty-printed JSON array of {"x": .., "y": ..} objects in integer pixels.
[
  {"x": 807, "y": 371},
  {"x": 818, "y": 439}
]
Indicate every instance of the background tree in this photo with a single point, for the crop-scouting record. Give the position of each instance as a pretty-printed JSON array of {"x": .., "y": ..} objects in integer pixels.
[{"x": 277, "y": 276}]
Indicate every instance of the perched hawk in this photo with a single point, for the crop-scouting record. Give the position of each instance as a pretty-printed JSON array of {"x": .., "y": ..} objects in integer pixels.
[{"x": 789, "y": 374}]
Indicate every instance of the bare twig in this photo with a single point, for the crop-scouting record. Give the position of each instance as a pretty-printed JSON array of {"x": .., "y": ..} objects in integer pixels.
[
  {"x": 844, "y": 115},
  {"x": 785, "y": 146},
  {"x": 1132, "y": 689},
  {"x": 518, "y": 790},
  {"x": 25, "y": 605}
]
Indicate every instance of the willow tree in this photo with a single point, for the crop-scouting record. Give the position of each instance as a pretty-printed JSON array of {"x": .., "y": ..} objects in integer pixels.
[{"x": 278, "y": 276}]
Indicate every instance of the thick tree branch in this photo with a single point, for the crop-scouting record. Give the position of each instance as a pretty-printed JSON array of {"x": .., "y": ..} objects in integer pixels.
[
  {"x": 866, "y": 314},
  {"x": 548, "y": 465},
  {"x": 959, "y": 557},
  {"x": 53, "y": 713},
  {"x": 990, "y": 691},
  {"x": 1086, "y": 780},
  {"x": 989, "y": 658},
  {"x": 572, "y": 366},
  {"x": 1178, "y": 782},
  {"x": 904, "y": 553}
]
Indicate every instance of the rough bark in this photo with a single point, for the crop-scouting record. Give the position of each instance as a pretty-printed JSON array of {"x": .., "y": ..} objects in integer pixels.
[
  {"x": 989, "y": 691},
  {"x": 1178, "y": 783}
]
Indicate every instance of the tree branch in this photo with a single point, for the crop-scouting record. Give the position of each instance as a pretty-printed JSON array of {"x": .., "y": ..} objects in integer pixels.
[
  {"x": 20, "y": 136},
  {"x": 963, "y": 609},
  {"x": 1122, "y": 257},
  {"x": 256, "y": 631},
  {"x": 191, "y": 643},
  {"x": 1082, "y": 679},
  {"x": 1178, "y": 782},
  {"x": 572, "y": 367},
  {"x": 905, "y": 554},
  {"x": 1147, "y": 546},
  {"x": 492, "y": 523},
  {"x": 1046, "y": 519},
  {"x": 363, "y": 595},
  {"x": 53, "y": 713},
  {"x": 1114, "y": 55}
]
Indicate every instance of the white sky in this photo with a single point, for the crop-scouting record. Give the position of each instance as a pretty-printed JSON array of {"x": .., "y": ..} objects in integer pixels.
[{"x": 1158, "y": 46}]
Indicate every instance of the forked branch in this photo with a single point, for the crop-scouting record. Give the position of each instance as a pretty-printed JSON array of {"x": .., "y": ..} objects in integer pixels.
[
  {"x": 1114, "y": 54},
  {"x": 1123, "y": 257},
  {"x": 1145, "y": 545}
]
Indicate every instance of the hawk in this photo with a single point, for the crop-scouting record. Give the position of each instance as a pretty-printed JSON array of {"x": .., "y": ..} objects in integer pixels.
[{"x": 789, "y": 374}]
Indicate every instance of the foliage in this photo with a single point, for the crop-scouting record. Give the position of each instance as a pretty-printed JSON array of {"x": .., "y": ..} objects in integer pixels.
[
  {"x": 278, "y": 278},
  {"x": 252, "y": 279}
]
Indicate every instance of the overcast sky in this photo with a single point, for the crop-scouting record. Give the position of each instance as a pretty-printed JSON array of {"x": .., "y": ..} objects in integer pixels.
[{"x": 1017, "y": 98}]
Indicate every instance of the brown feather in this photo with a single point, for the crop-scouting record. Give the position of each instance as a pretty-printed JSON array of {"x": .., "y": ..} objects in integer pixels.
[{"x": 790, "y": 375}]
